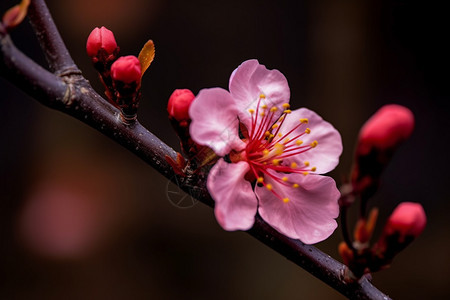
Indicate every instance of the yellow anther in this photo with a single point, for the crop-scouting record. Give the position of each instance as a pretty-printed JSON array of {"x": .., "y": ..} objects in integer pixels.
[
  {"x": 313, "y": 169},
  {"x": 269, "y": 186},
  {"x": 275, "y": 161},
  {"x": 293, "y": 165},
  {"x": 305, "y": 173},
  {"x": 251, "y": 110},
  {"x": 285, "y": 200},
  {"x": 262, "y": 96},
  {"x": 286, "y": 140},
  {"x": 298, "y": 142},
  {"x": 287, "y": 111},
  {"x": 284, "y": 179},
  {"x": 279, "y": 149},
  {"x": 275, "y": 126},
  {"x": 260, "y": 179},
  {"x": 266, "y": 152},
  {"x": 273, "y": 109},
  {"x": 307, "y": 131},
  {"x": 314, "y": 144},
  {"x": 267, "y": 133},
  {"x": 264, "y": 106},
  {"x": 281, "y": 119},
  {"x": 286, "y": 105},
  {"x": 304, "y": 121},
  {"x": 280, "y": 134},
  {"x": 306, "y": 163},
  {"x": 271, "y": 136},
  {"x": 295, "y": 185},
  {"x": 262, "y": 114}
]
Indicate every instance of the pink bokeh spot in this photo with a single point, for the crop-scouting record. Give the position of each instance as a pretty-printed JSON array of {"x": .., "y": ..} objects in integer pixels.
[{"x": 272, "y": 156}]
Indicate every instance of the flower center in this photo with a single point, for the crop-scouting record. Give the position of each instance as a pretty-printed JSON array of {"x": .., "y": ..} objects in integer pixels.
[{"x": 271, "y": 148}]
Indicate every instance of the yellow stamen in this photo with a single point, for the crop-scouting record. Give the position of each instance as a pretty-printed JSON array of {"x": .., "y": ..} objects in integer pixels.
[
  {"x": 295, "y": 185},
  {"x": 274, "y": 109},
  {"x": 285, "y": 200},
  {"x": 266, "y": 152},
  {"x": 314, "y": 144},
  {"x": 262, "y": 96},
  {"x": 307, "y": 131},
  {"x": 284, "y": 179},
  {"x": 280, "y": 134},
  {"x": 251, "y": 110},
  {"x": 287, "y": 111},
  {"x": 262, "y": 114},
  {"x": 286, "y": 105},
  {"x": 260, "y": 179},
  {"x": 313, "y": 169},
  {"x": 304, "y": 121},
  {"x": 269, "y": 186},
  {"x": 279, "y": 149},
  {"x": 286, "y": 140},
  {"x": 299, "y": 142},
  {"x": 264, "y": 106},
  {"x": 293, "y": 165},
  {"x": 275, "y": 161},
  {"x": 267, "y": 133},
  {"x": 306, "y": 163},
  {"x": 275, "y": 126},
  {"x": 305, "y": 173}
]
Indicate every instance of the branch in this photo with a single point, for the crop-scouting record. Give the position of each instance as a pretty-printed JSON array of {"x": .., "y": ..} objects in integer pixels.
[
  {"x": 55, "y": 51},
  {"x": 70, "y": 93}
]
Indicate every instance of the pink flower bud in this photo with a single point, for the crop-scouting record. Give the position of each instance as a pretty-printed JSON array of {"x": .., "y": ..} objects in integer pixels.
[
  {"x": 101, "y": 38},
  {"x": 126, "y": 69},
  {"x": 179, "y": 103},
  {"x": 408, "y": 219},
  {"x": 386, "y": 129}
]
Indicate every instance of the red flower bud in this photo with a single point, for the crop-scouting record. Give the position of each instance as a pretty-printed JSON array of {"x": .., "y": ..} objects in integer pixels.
[
  {"x": 179, "y": 103},
  {"x": 386, "y": 129},
  {"x": 101, "y": 38},
  {"x": 126, "y": 69},
  {"x": 408, "y": 219}
]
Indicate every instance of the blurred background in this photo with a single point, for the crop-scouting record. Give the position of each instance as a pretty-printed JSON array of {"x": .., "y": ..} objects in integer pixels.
[{"x": 82, "y": 218}]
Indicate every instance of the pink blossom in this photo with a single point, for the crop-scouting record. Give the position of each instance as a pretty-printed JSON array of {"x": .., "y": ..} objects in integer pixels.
[{"x": 276, "y": 155}]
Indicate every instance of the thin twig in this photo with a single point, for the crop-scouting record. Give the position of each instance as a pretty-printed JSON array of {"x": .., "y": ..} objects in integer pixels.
[{"x": 55, "y": 51}]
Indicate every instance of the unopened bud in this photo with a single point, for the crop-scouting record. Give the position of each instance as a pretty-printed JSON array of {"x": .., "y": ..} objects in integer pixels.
[
  {"x": 126, "y": 69},
  {"x": 405, "y": 224},
  {"x": 178, "y": 106},
  {"x": 386, "y": 129},
  {"x": 126, "y": 80},
  {"x": 101, "y": 39},
  {"x": 378, "y": 139},
  {"x": 407, "y": 220}
]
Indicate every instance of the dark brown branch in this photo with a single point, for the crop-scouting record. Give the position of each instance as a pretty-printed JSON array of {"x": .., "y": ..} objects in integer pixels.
[
  {"x": 55, "y": 51},
  {"x": 72, "y": 94}
]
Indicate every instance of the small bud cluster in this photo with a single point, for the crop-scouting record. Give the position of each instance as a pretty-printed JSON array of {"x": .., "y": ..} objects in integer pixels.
[
  {"x": 378, "y": 139},
  {"x": 121, "y": 76}
]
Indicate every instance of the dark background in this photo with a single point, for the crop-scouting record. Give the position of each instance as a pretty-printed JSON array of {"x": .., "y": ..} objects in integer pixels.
[{"x": 81, "y": 218}]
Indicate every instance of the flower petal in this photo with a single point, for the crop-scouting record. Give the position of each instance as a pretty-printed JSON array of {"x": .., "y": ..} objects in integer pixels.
[
  {"x": 252, "y": 79},
  {"x": 235, "y": 202},
  {"x": 214, "y": 121},
  {"x": 325, "y": 156},
  {"x": 310, "y": 212}
]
